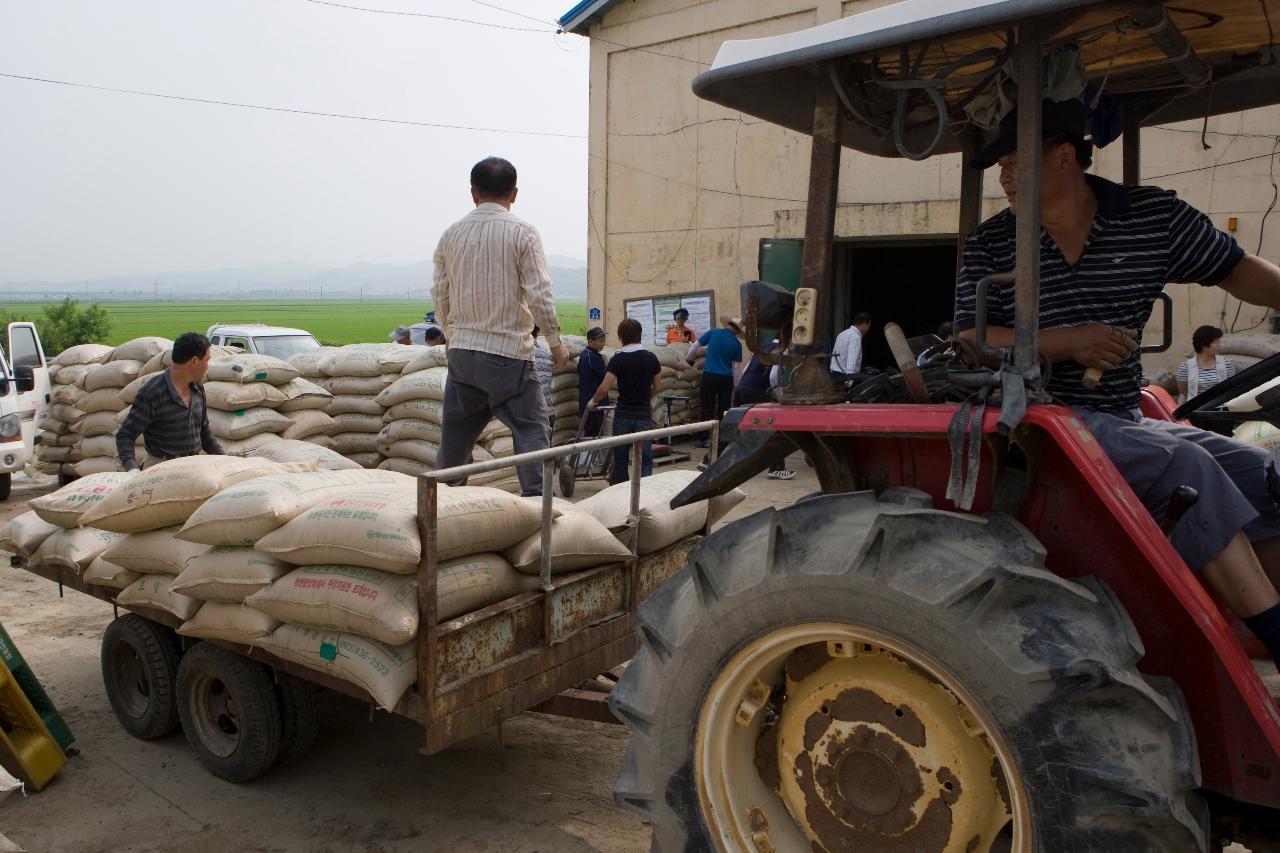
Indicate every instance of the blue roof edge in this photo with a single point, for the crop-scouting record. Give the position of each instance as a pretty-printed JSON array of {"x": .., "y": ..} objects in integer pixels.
[{"x": 575, "y": 20}]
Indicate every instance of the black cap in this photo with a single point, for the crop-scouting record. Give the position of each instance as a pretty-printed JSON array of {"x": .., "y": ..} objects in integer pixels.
[
  {"x": 1060, "y": 118},
  {"x": 594, "y": 333}
]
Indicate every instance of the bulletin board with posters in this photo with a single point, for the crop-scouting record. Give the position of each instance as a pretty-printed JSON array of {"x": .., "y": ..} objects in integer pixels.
[{"x": 654, "y": 315}]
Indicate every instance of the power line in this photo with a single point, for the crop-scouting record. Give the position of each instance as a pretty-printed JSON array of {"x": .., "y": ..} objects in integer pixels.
[
  {"x": 1206, "y": 168},
  {"x": 427, "y": 15},
  {"x": 514, "y": 12},
  {"x": 292, "y": 110}
]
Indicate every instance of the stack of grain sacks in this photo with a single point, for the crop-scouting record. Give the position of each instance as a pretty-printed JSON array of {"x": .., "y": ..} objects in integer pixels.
[
  {"x": 564, "y": 392},
  {"x": 105, "y": 401},
  {"x": 59, "y": 447},
  {"x": 678, "y": 379}
]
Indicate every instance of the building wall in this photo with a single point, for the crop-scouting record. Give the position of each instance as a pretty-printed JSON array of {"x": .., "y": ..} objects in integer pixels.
[{"x": 681, "y": 191}]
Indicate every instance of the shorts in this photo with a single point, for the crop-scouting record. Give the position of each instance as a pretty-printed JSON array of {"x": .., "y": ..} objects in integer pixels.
[{"x": 1155, "y": 457}]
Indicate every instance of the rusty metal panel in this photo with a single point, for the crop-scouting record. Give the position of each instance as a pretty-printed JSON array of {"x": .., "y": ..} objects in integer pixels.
[
  {"x": 586, "y": 602},
  {"x": 656, "y": 569}
]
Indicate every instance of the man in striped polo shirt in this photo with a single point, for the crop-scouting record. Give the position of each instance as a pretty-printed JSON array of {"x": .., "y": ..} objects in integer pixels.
[
  {"x": 1106, "y": 251},
  {"x": 169, "y": 411}
]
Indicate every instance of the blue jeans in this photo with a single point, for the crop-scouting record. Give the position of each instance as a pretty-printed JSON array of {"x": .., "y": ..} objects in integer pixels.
[{"x": 622, "y": 455}]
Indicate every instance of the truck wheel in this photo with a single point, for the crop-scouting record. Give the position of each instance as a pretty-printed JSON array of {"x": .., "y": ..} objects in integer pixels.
[
  {"x": 139, "y": 674},
  {"x": 568, "y": 475},
  {"x": 874, "y": 675},
  {"x": 230, "y": 712},
  {"x": 299, "y": 717},
  {"x": 6, "y": 486}
]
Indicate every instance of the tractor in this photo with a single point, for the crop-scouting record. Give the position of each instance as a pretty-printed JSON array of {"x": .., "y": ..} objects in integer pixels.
[{"x": 974, "y": 637}]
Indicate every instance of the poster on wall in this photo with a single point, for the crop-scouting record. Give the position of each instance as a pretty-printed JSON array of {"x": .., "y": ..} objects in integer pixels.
[{"x": 654, "y": 315}]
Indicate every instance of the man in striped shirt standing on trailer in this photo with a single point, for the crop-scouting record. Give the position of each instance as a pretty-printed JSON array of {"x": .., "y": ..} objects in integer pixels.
[
  {"x": 1106, "y": 251},
  {"x": 491, "y": 287}
]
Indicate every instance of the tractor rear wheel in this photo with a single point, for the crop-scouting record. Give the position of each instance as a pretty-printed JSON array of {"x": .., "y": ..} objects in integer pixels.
[{"x": 853, "y": 673}]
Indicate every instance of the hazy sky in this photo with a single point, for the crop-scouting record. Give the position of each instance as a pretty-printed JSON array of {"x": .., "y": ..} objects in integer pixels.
[{"x": 97, "y": 183}]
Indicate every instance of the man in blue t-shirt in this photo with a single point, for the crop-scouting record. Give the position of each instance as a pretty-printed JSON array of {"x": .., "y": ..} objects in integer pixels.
[
  {"x": 724, "y": 354},
  {"x": 636, "y": 372},
  {"x": 591, "y": 370}
]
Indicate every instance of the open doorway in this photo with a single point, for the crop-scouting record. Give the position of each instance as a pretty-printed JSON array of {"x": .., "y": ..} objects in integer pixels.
[{"x": 910, "y": 282}]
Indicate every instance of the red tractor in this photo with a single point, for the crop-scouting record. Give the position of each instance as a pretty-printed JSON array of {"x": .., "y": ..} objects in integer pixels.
[{"x": 975, "y": 637}]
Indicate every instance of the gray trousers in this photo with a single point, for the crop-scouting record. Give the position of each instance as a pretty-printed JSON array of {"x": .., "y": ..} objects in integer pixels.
[
  {"x": 1155, "y": 457},
  {"x": 483, "y": 386}
]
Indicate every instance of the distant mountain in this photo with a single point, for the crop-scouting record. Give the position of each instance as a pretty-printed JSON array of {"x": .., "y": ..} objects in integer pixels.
[{"x": 274, "y": 281}]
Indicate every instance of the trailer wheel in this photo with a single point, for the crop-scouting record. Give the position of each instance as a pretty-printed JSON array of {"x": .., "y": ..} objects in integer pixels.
[
  {"x": 230, "y": 712},
  {"x": 874, "y": 675},
  {"x": 139, "y": 674},
  {"x": 299, "y": 717}
]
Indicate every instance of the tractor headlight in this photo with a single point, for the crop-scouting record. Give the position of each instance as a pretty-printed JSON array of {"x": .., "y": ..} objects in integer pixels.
[{"x": 10, "y": 427}]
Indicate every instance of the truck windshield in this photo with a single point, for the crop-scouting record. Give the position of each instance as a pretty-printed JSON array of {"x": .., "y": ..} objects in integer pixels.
[{"x": 283, "y": 346}]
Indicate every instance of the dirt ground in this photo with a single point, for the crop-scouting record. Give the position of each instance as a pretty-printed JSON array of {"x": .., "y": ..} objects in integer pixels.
[{"x": 543, "y": 786}]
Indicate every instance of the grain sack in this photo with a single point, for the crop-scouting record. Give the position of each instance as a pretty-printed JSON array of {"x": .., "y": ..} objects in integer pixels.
[
  {"x": 378, "y": 529},
  {"x": 394, "y": 359},
  {"x": 287, "y": 451},
  {"x": 345, "y": 598},
  {"x": 249, "y": 446},
  {"x": 308, "y": 363},
  {"x": 101, "y": 445},
  {"x": 426, "y": 410},
  {"x": 358, "y": 360},
  {"x": 115, "y": 374},
  {"x": 323, "y": 441},
  {"x": 423, "y": 385},
  {"x": 72, "y": 549},
  {"x": 154, "y": 552},
  {"x": 566, "y": 409},
  {"x": 228, "y": 573},
  {"x": 130, "y": 392},
  {"x": 25, "y": 533},
  {"x": 353, "y": 404},
  {"x": 252, "y": 368},
  {"x": 501, "y": 448},
  {"x": 97, "y": 465},
  {"x": 563, "y": 382},
  {"x": 242, "y": 424},
  {"x": 386, "y": 672},
  {"x": 411, "y": 467},
  {"x": 469, "y": 583},
  {"x": 82, "y": 354},
  {"x": 67, "y": 395},
  {"x": 234, "y": 396},
  {"x": 154, "y": 591},
  {"x": 58, "y": 453},
  {"x": 66, "y": 414},
  {"x": 302, "y": 394},
  {"x": 660, "y": 525},
  {"x": 360, "y": 386},
  {"x": 139, "y": 349},
  {"x": 66, "y": 506},
  {"x": 427, "y": 358},
  {"x": 411, "y": 429},
  {"x": 69, "y": 377},
  {"x": 232, "y": 623},
  {"x": 103, "y": 573},
  {"x": 352, "y": 443},
  {"x": 352, "y": 422},
  {"x": 164, "y": 358},
  {"x": 419, "y": 451},
  {"x": 578, "y": 541},
  {"x": 246, "y": 512},
  {"x": 366, "y": 460},
  {"x": 310, "y": 422},
  {"x": 719, "y": 506},
  {"x": 102, "y": 400},
  {"x": 1259, "y": 433},
  {"x": 99, "y": 423},
  {"x": 168, "y": 493}
]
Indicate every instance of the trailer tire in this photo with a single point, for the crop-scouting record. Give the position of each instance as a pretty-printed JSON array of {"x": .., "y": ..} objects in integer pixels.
[
  {"x": 139, "y": 675},
  {"x": 299, "y": 717},
  {"x": 1093, "y": 756},
  {"x": 230, "y": 712}
]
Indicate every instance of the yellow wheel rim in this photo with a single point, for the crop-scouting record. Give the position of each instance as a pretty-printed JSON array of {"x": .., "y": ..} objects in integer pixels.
[{"x": 830, "y": 737}]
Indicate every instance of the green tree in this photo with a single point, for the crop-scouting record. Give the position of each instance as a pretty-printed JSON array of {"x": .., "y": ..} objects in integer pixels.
[{"x": 66, "y": 324}]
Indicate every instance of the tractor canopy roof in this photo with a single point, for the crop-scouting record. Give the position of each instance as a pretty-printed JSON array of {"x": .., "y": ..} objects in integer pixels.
[{"x": 895, "y": 65}]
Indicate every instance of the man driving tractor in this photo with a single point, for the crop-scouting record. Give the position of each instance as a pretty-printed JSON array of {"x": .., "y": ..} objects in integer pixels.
[{"x": 1106, "y": 252}]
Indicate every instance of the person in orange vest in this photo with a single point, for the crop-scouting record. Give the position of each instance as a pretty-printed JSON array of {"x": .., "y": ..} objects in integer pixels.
[{"x": 680, "y": 333}]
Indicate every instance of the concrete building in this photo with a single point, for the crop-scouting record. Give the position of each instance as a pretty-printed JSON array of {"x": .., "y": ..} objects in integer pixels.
[{"x": 686, "y": 197}]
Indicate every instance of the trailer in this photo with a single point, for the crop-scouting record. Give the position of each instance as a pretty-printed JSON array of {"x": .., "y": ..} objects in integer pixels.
[{"x": 557, "y": 649}]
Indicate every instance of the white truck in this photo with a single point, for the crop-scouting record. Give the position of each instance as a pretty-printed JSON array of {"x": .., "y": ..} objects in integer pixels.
[
  {"x": 276, "y": 341},
  {"x": 24, "y": 400}
]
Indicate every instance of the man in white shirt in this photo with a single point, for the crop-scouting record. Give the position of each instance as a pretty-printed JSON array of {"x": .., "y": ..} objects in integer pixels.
[
  {"x": 846, "y": 355},
  {"x": 491, "y": 287}
]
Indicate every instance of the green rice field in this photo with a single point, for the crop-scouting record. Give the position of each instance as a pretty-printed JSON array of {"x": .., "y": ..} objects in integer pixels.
[{"x": 330, "y": 322}]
